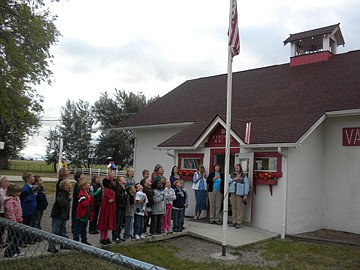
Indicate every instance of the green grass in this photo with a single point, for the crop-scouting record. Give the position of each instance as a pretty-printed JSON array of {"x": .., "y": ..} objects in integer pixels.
[
  {"x": 284, "y": 254},
  {"x": 73, "y": 261}
]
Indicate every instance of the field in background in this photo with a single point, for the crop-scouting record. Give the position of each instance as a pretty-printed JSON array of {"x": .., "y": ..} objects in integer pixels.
[{"x": 39, "y": 166}]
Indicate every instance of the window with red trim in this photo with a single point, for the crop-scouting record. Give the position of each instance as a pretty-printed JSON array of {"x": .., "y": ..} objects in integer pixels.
[
  {"x": 188, "y": 163},
  {"x": 268, "y": 163}
]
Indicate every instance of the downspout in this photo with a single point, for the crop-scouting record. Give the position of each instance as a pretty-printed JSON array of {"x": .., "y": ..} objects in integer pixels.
[
  {"x": 285, "y": 178},
  {"x": 171, "y": 155}
]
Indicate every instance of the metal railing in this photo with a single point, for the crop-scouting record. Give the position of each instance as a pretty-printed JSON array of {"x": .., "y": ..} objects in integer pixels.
[
  {"x": 72, "y": 255},
  {"x": 96, "y": 171}
]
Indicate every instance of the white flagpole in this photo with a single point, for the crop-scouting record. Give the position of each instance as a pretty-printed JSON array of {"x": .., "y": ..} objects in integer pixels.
[{"x": 227, "y": 147}]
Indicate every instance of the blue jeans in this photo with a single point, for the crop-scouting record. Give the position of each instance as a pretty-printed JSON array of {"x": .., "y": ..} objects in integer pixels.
[
  {"x": 129, "y": 222},
  {"x": 120, "y": 214},
  {"x": 177, "y": 216},
  {"x": 36, "y": 219},
  {"x": 13, "y": 240},
  {"x": 138, "y": 224},
  {"x": 58, "y": 227},
  {"x": 182, "y": 218},
  {"x": 80, "y": 230}
]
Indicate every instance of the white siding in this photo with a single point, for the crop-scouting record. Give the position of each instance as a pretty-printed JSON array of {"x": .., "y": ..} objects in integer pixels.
[
  {"x": 305, "y": 184},
  {"x": 146, "y": 157},
  {"x": 341, "y": 181}
]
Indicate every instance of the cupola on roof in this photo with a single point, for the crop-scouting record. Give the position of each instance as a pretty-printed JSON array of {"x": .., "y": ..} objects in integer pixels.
[{"x": 321, "y": 41}]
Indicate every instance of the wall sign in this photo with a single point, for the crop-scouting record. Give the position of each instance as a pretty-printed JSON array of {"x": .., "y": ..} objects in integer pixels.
[{"x": 351, "y": 136}]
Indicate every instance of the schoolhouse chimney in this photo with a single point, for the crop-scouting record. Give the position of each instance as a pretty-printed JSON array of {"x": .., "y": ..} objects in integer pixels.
[{"x": 315, "y": 45}]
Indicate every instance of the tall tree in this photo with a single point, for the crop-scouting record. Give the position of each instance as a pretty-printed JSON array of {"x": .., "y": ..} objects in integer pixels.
[
  {"x": 51, "y": 156},
  {"x": 76, "y": 129},
  {"x": 27, "y": 31},
  {"x": 109, "y": 112}
]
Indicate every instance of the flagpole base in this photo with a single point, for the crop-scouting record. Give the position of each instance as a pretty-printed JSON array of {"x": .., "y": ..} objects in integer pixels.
[{"x": 227, "y": 257}]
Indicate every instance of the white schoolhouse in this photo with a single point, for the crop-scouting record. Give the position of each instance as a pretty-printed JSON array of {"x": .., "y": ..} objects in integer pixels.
[{"x": 303, "y": 158}]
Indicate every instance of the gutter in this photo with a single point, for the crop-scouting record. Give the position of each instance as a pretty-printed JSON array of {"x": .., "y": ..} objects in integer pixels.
[{"x": 285, "y": 178}]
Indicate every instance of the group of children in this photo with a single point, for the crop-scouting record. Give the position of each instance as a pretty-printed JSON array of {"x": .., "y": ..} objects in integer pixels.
[{"x": 116, "y": 204}]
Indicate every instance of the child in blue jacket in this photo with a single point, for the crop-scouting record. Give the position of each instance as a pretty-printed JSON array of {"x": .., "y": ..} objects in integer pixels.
[{"x": 28, "y": 204}]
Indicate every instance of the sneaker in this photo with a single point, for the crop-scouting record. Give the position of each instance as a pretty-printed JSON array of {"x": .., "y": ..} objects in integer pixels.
[
  {"x": 237, "y": 226},
  {"x": 165, "y": 233},
  {"x": 232, "y": 225},
  {"x": 108, "y": 241},
  {"x": 104, "y": 243},
  {"x": 86, "y": 243},
  {"x": 19, "y": 254},
  {"x": 23, "y": 245},
  {"x": 137, "y": 237},
  {"x": 53, "y": 250},
  {"x": 117, "y": 241},
  {"x": 142, "y": 236}
]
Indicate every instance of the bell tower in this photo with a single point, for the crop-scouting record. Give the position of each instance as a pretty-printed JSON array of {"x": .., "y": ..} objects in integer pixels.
[{"x": 315, "y": 45}]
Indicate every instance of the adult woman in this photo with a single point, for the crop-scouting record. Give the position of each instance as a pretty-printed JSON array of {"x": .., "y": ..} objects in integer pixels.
[
  {"x": 155, "y": 172},
  {"x": 199, "y": 186},
  {"x": 215, "y": 183},
  {"x": 174, "y": 175},
  {"x": 238, "y": 189}
]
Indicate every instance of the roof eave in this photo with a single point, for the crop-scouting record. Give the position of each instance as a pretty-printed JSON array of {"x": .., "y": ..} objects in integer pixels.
[{"x": 182, "y": 124}]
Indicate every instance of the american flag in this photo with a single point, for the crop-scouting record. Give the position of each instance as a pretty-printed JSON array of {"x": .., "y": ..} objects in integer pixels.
[{"x": 234, "y": 40}]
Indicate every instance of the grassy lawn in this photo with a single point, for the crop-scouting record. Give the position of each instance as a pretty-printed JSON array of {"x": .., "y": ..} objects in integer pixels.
[{"x": 275, "y": 254}]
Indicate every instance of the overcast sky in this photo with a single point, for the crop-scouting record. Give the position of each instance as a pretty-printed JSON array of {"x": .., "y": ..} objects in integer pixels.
[{"x": 153, "y": 46}]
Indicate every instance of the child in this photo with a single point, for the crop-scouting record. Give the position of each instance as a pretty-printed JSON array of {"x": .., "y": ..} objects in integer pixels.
[
  {"x": 158, "y": 207},
  {"x": 13, "y": 212},
  {"x": 120, "y": 197},
  {"x": 60, "y": 212},
  {"x": 78, "y": 176},
  {"x": 145, "y": 175},
  {"x": 129, "y": 212},
  {"x": 141, "y": 201},
  {"x": 41, "y": 204},
  {"x": 150, "y": 195},
  {"x": 169, "y": 197},
  {"x": 84, "y": 211},
  {"x": 28, "y": 205},
  {"x": 96, "y": 192},
  {"x": 178, "y": 206},
  {"x": 4, "y": 183},
  {"x": 129, "y": 177},
  {"x": 186, "y": 202},
  {"x": 107, "y": 216}
]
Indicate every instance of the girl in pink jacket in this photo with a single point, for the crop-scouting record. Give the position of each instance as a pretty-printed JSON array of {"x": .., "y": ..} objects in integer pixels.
[{"x": 13, "y": 212}]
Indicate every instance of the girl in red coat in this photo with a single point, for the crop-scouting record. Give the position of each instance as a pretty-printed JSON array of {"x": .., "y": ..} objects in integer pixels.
[
  {"x": 107, "y": 216},
  {"x": 84, "y": 211}
]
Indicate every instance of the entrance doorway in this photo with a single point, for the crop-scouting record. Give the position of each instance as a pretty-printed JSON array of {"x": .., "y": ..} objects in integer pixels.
[{"x": 217, "y": 156}]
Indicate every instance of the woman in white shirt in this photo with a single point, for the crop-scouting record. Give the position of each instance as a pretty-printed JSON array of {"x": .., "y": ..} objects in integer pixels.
[{"x": 199, "y": 185}]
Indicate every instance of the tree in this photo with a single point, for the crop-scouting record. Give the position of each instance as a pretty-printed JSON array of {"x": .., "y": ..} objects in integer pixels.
[
  {"x": 109, "y": 112},
  {"x": 27, "y": 31},
  {"x": 51, "y": 156},
  {"x": 76, "y": 129}
]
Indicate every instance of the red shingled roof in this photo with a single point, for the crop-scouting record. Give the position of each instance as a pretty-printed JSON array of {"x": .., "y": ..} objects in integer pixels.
[
  {"x": 281, "y": 102},
  {"x": 317, "y": 32}
]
